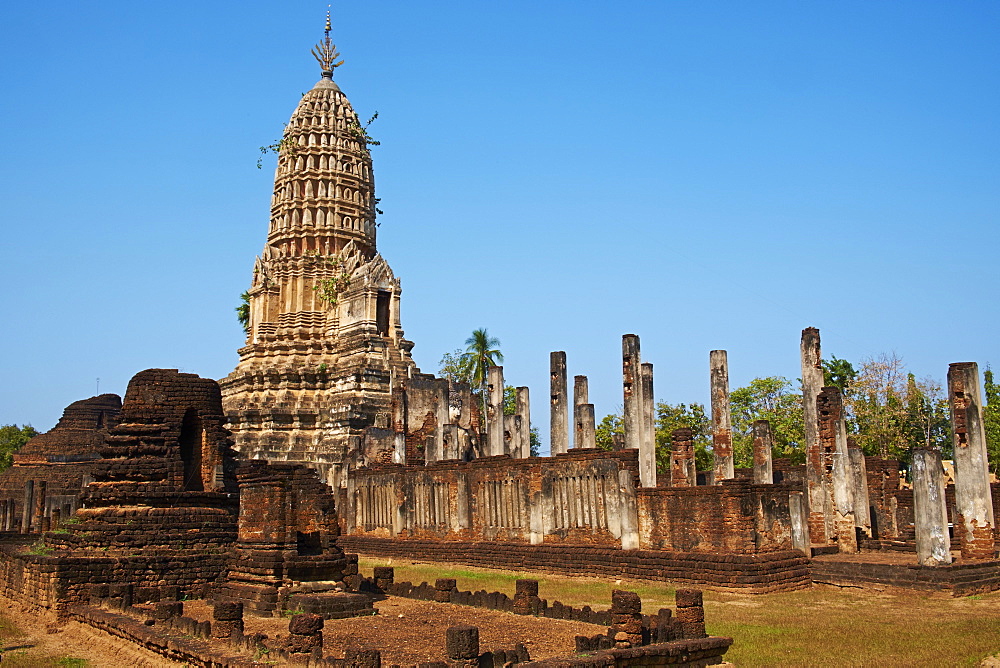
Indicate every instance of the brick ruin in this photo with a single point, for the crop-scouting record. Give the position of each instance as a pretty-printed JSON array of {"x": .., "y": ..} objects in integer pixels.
[{"x": 326, "y": 436}]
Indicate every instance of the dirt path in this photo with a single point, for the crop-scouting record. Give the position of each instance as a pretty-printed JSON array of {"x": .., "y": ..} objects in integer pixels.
[{"x": 33, "y": 639}]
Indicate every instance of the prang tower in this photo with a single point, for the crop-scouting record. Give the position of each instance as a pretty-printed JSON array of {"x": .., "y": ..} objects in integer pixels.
[{"x": 324, "y": 344}]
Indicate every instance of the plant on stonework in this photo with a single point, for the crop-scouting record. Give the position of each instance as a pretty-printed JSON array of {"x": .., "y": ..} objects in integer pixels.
[
  {"x": 361, "y": 131},
  {"x": 330, "y": 288},
  {"x": 39, "y": 549},
  {"x": 243, "y": 312},
  {"x": 991, "y": 420},
  {"x": 286, "y": 144}
]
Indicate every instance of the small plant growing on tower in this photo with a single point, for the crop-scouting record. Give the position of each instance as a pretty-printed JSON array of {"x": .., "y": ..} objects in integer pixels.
[
  {"x": 332, "y": 287},
  {"x": 243, "y": 312},
  {"x": 361, "y": 131},
  {"x": 286, "y": 144}
]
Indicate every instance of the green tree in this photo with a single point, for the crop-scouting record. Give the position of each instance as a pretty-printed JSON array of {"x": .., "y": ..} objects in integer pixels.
[
  {"x": 677, "y": 416},
  {"x": 12, "y": 438},
  {"x": 770, "y": 399},
  {"x": 482, "y": 351},
  {"x": 455, "y": 367},
  {"x": 609, "y": 432},
  {"x": 991, "y": 420},
  {"x": 928, "y": 421},
  {"x": 839, "y": 373},
  {"x": 243, "y": 312}
]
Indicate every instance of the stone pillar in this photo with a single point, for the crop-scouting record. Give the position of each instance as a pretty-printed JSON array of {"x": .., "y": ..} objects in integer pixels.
[
  {"x": 524, "y": 410},
  {"x": 812, "y": 384},
  {"x": 558, "y": 424},
  {"x": 494, "y": 410},
  {"x": 930, "y": 511},
  {"x": 722, "y": 433},
  {"x": 305, "y": 633},
  {"x": 626, "y": 619},
  {"x": 586, "y": 428},
  {"x": 462, "y": 642},
  {"x": 647, "y": 441},
  {"x": 29, "y": 504},
  {"x": 682, "y": 463},
  {"x": 800, "y": 522},
  {"x": 227, "y": 619},
  {"x": 512, "y": 433},
  {"x": 628, "y": 509},
  {"x": 449, "y": 447},
  {"x": 763, "y": 443},
  {"x": 443, "y": 418},
  {"x": 526, "y": 601},
  {"x": 974, "y": 521},
  {"x": 833, "y": 438},
  {"x": 859, "y": 473},
  {"x": 632, "y": 391},
  {"x": 580, "y": 397},
  {"x": 690, "y": 613}
]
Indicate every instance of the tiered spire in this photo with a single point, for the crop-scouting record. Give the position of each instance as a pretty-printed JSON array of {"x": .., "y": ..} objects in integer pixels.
[{"x": 326, "y": 52}]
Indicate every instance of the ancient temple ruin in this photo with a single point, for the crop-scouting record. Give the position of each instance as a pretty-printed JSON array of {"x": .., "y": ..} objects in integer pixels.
[{"x": 324, "y": 343}]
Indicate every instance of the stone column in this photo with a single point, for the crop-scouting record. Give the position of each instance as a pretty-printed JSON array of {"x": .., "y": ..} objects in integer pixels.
[
  {"x": 647, "y": 442},
  {"x": 763, "y": 443},
  {"x": 632, "y": 391},
  {"x": 29, "y": 503},
  {"x": 974, "y": 521},
  {"x": 722, "y": 433},
  {"x": 450, "y": 445},
  {"x": 930, "y": 512},
  {"x": 513, "y": 430},
  {"x": 494, "y": 410},
  {"x": 524, "y": 410},
  {"x": 833, "y": 438},
  {"x": 558, "y": 424},
  {"x": 812, "y": 384},
  {"x": 800, "y": 522},
  {"x": 580, "y": 397},
  {"x": 443, "y": 418},
  {"x": 585, "y": 426},
  {"x": 682, "y": 464},
  {"x": 859, "y": 473},
  {"x": 628, "y": 508}
]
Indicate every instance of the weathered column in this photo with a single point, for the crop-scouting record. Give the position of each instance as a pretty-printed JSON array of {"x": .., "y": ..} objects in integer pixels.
[
  {"x": 40, "y": 494},
  {"x": 449, "y": 448},
  {"x": 682, "y": 464},
  {"x": 812, "y": 384},
  {"x": 632, "y": 391},
  {"x": 974, "y": 521},
  {"x": 585, "y": 426},
  {"x": 722, "y": 433},
  {"x": 833, "y": 438},
  {"x": 628, "y": 508},
  {"x": 512, "y": 432},
  {"x": 930, "y": 511},
  {"x": 524, "y": 410},
  {"x": 647, "y": 442},
  {"x": 859, "y": 474},
  {"x": 800, "y": 522},
  {"x": 29, "y": 504},
  {"x": 558, "y": 424},
  {"x": 494, "y": 410},
  {"x": 443, "y": 418},
  {"x": 763, "y": 443},
  {"x": 580, "y": 397}
]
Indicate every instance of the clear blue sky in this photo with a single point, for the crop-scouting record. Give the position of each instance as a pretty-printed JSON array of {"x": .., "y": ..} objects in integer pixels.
[{"x": 704, "y": 174}]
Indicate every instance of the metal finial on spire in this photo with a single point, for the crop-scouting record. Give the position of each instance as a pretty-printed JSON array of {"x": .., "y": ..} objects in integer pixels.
[{"x": 326, "y": 52}]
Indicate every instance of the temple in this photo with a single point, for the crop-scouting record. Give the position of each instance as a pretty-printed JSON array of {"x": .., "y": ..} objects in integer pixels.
[{"x": 324, "y": 345}]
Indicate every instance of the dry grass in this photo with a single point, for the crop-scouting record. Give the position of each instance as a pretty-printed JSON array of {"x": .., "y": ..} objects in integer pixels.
[{"x": 813, "y": 627}]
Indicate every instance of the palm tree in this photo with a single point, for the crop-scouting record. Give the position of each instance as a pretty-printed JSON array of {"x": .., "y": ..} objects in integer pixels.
[{"x": 482, "y": 352}]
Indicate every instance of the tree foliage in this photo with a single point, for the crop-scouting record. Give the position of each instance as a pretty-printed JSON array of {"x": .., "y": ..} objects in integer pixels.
[
  {"x": 610, "y": 432},
  {"x": 455, "y": 367},
  {"x": 991, "y": 420},
  {"x": 243, "y": 312},
  {"x": 772, "y": 399},
  {"x": 12, "y": 438},
  {"x": 677, "y": 416},
  {"x": 482, "y": 351}
]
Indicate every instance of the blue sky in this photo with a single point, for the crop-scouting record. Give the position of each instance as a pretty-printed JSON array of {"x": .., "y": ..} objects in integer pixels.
[{"x": 708, "y": 175}]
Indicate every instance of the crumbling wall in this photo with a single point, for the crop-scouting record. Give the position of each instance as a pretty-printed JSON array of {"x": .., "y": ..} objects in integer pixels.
[
  {"x": 573, "y": 497},
  {"x": 735, "y": 517}
]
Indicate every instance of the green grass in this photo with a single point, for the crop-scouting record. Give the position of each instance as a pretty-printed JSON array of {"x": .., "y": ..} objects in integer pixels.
[{"x": 812, "y": 627}]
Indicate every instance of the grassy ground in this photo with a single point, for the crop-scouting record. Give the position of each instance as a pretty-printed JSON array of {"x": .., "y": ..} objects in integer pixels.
[
  {"x": 18, "y": 649},
  {"x": 813, "y": 627}
]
